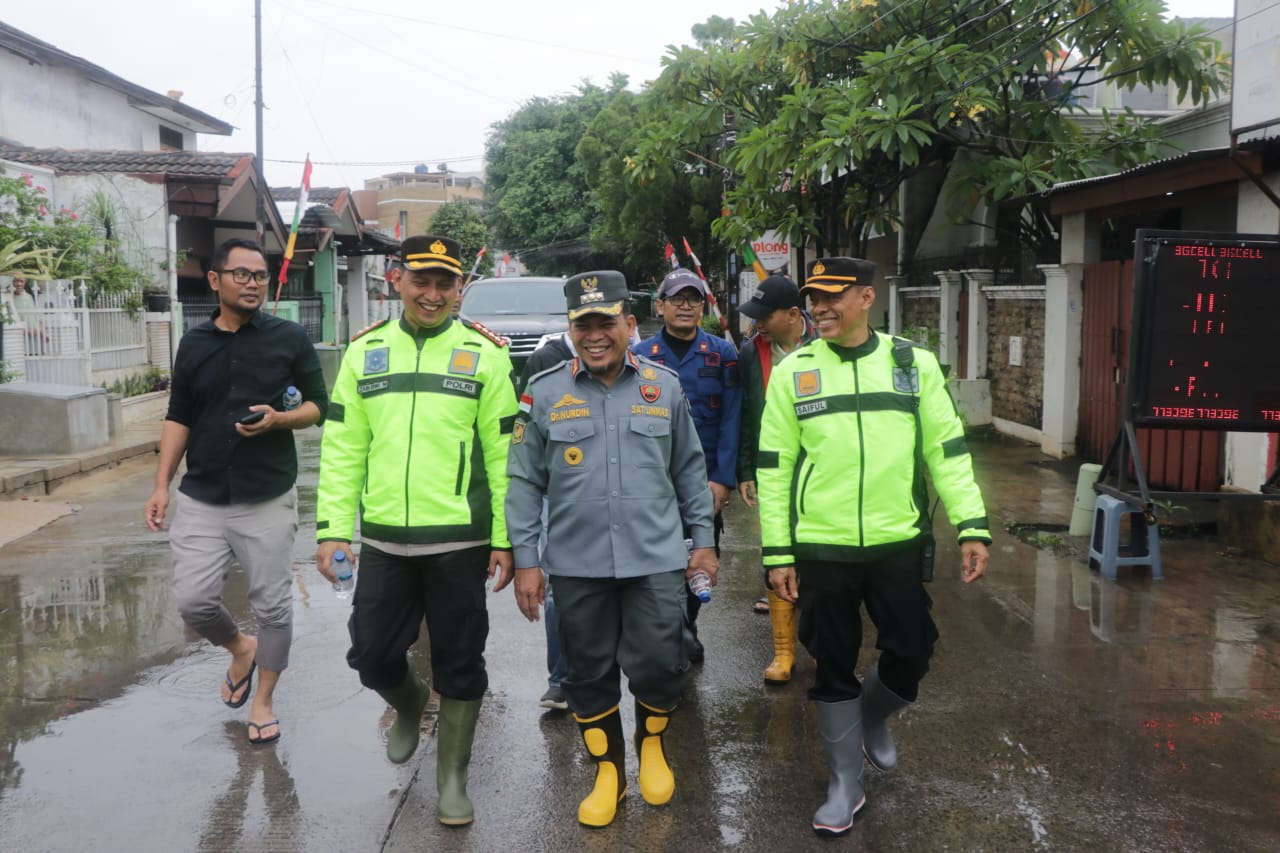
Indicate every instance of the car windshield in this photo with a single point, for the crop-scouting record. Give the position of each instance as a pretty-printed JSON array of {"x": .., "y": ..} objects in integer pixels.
[{"x": 487, "y": 299}]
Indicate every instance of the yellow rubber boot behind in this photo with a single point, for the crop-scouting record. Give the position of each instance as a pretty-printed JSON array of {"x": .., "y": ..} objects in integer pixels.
[
  {"x": 602, "y": 735},
  {"x": 657, "y": 782},
  {"x": 782, "y": 616}
]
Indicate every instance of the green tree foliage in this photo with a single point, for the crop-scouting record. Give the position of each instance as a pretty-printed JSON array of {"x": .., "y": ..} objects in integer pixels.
[
  {"x": 100, "y": 246},
  {"x": 459, "y": 220},
  {"x": 638, "y": 217},
  {"x": 540, "y": 206},
  {"x": 831, "y": 106}
]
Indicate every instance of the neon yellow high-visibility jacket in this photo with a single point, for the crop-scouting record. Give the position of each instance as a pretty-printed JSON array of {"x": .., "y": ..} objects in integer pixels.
[
  {"x": 416, "y": 437},
  {"x": 836, "y": 470}
]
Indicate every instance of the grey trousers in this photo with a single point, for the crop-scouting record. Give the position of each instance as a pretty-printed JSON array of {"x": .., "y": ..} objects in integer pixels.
[
  {"x": 634, "y": 625},
  {"x": 205, "y": 537}
]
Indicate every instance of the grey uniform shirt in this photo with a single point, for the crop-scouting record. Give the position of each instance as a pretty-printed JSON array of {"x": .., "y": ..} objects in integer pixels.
[{"x": 622, "y": 468}]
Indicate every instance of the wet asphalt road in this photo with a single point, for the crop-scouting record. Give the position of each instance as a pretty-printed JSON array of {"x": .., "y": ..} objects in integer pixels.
[{"x": 1063, "y": 712}]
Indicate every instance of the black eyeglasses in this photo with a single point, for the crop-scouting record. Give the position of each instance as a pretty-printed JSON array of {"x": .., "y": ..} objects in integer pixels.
[
  {"x": 684, "y": 300},
  {"x": 241, "y": 275}
]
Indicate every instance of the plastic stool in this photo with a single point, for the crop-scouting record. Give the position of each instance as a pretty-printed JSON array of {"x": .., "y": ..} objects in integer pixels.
[{"x": 1104, "y": 540}]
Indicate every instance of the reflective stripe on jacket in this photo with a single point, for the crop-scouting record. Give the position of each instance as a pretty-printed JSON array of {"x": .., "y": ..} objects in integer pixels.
[
  {"x": 416, "y": 438},
  {"x": 836, "y": 464}
]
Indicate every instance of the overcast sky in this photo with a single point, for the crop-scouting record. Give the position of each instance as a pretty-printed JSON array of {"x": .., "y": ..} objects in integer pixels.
[{"x": 374, "y": 86}]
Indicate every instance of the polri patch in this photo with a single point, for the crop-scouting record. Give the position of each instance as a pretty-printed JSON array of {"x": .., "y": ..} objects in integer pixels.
[
  {"x": 517, "y": 432},
  {"x": 377, "y": 360},
  {"x": 464, "y": 361},
  {"x": 808, "y": 383},
  {"x": 906, "y": 381}
]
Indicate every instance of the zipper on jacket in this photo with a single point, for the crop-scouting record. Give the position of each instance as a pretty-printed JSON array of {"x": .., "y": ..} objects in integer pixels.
[
  {"x": 862, "y": 451},
  {"x": 413, "y": 407},
  {"x": 462, "y": 466}
]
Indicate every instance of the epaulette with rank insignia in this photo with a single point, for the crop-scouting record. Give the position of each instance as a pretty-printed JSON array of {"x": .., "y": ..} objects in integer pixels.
[
  {"x": 487, "y": 332},
  {"x": 367, "y": 329}
]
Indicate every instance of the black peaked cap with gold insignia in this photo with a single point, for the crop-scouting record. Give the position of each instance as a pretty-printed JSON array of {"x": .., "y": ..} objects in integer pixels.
[
  {"x": 833, "y": 275},
  {"x": 596, "y": 292},
  {"x": 427, "y": 251}
]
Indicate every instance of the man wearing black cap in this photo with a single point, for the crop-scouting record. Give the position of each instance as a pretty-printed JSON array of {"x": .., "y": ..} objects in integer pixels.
[
  {"x": 608, "y": 438},
  {"x": 415, "y": 444},
  {"x": 850, "y": 424},
  {"x": 708, "y": 369},
  {"x": 781, "y": 327}
]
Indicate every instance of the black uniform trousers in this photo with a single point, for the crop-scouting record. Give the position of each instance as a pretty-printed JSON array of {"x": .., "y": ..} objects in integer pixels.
[
  {"x": 630, "y": 624},
  {"x": 831, "y": 599},
  {"x": 392, "y": 596}
]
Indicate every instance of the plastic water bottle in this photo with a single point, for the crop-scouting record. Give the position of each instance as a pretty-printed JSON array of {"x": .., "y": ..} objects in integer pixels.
[
  {"x": 700, "y": 585},
  {"x": 346, "y": 579},
  {"x": 292, "y": 398}
]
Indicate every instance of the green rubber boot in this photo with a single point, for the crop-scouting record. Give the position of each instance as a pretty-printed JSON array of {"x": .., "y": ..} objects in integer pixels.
[
  {"x": 409, "y": 700},
  {"x": 456, "y": 731}
]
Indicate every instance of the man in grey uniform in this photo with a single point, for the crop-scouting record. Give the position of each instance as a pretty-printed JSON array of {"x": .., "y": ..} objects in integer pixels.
[{"x": 609, "y": 439}]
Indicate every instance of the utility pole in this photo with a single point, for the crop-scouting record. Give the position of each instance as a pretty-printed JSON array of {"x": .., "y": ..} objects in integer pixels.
[{"x": 260, "y": 208}]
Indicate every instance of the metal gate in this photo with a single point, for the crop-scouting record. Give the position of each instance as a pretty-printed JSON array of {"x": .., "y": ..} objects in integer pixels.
[{"x": 1185, "y": 460}]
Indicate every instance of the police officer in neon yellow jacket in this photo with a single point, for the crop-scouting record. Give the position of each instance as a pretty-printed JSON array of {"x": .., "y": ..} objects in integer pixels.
[
  {"x": 844, "y": 516},
  {"x": 415, "y": 444}
]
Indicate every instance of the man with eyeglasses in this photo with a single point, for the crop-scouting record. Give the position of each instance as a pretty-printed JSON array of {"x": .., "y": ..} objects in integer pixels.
[
  {"x": 851, "y": 423},
  {"x": 237, "y": 500},
  {"x": 708, "y": 369},
  {"x": 415, "y": 449}
]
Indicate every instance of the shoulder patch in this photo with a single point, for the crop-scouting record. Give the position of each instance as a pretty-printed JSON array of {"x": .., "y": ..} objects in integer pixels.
[
  {"x": 658, "y": 366},
  {"x": 493, "y": 336},
  {"x": 367, "y": 329}
]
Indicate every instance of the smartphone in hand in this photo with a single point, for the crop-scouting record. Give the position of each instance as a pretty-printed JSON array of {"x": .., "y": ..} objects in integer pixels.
[{"x": 253, "y": 417}]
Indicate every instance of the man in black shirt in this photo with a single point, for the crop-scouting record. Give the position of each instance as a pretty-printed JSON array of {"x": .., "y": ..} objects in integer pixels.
[{"x": 229, "y": 415}]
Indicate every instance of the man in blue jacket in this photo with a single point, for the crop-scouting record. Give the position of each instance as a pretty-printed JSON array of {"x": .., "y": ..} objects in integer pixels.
[{"x": 708, "y": 370}]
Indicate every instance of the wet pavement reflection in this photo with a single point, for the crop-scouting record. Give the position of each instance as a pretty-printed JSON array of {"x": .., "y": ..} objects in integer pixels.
[{"x": 1062, "y": 712}]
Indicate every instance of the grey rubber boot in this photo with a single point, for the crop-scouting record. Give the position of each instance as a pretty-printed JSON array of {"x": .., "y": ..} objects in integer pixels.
[
  {"x": 879, "y": 703},
  {"x": 409, "y": 700},
  {"x": 454, "y": 736},
  {"x": 840, "y": 724}
]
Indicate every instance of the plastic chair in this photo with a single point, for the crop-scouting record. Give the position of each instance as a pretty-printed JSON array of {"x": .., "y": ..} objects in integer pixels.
[{"x": 1105, "y": 552}]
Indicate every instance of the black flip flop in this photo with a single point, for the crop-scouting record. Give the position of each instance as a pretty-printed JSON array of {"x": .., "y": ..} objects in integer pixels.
[
  {"x": 258, "y": 741},
  {"x": 761, "y": 606},
  {"x": 237, "y": 703}
]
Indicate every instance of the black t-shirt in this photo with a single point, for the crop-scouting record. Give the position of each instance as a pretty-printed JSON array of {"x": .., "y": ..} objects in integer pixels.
[
  {"x": 679, "y": 346},
  {"x": 217, "y": 376}
]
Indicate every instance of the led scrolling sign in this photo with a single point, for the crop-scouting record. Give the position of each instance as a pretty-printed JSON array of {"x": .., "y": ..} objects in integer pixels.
[{"x": 1205, "y": 348}]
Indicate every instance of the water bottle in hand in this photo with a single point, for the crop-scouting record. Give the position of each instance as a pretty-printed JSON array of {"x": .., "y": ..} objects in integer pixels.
[
  {"x": 292, "y": 398},
  {"x": 346, "y": 579},
  {"x": 700, "y": 586}
]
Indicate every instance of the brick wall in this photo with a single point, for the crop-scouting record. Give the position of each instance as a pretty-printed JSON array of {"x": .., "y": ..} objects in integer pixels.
[
  {"x": 917, "y": 313},
  {"x": 1017, "y": 393}
]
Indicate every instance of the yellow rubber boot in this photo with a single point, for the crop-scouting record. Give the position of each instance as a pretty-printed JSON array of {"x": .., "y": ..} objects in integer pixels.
[
  {"x": 657, "y": 783},
  {"x": 603, "y": 736},
  {"x": 782, "y": 615}
]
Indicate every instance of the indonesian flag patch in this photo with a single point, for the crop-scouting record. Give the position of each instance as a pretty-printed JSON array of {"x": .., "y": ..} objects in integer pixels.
[{"x": 526, "y": 403}]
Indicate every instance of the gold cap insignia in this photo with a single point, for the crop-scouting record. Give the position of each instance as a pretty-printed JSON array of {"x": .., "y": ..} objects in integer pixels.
[
  {"x": 438, "y": 248},
  {"x": 590, "y": 284},
  {"x": 818, "y": 268}
]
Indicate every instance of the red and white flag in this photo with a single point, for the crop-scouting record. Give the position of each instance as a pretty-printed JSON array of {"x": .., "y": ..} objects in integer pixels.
[
  {"x": 293, "y": 232},
  {"x": 669, "y": 252}
]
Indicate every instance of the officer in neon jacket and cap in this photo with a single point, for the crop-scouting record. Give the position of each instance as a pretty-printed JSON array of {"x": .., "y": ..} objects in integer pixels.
[{"x": 851, "y": 424}]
